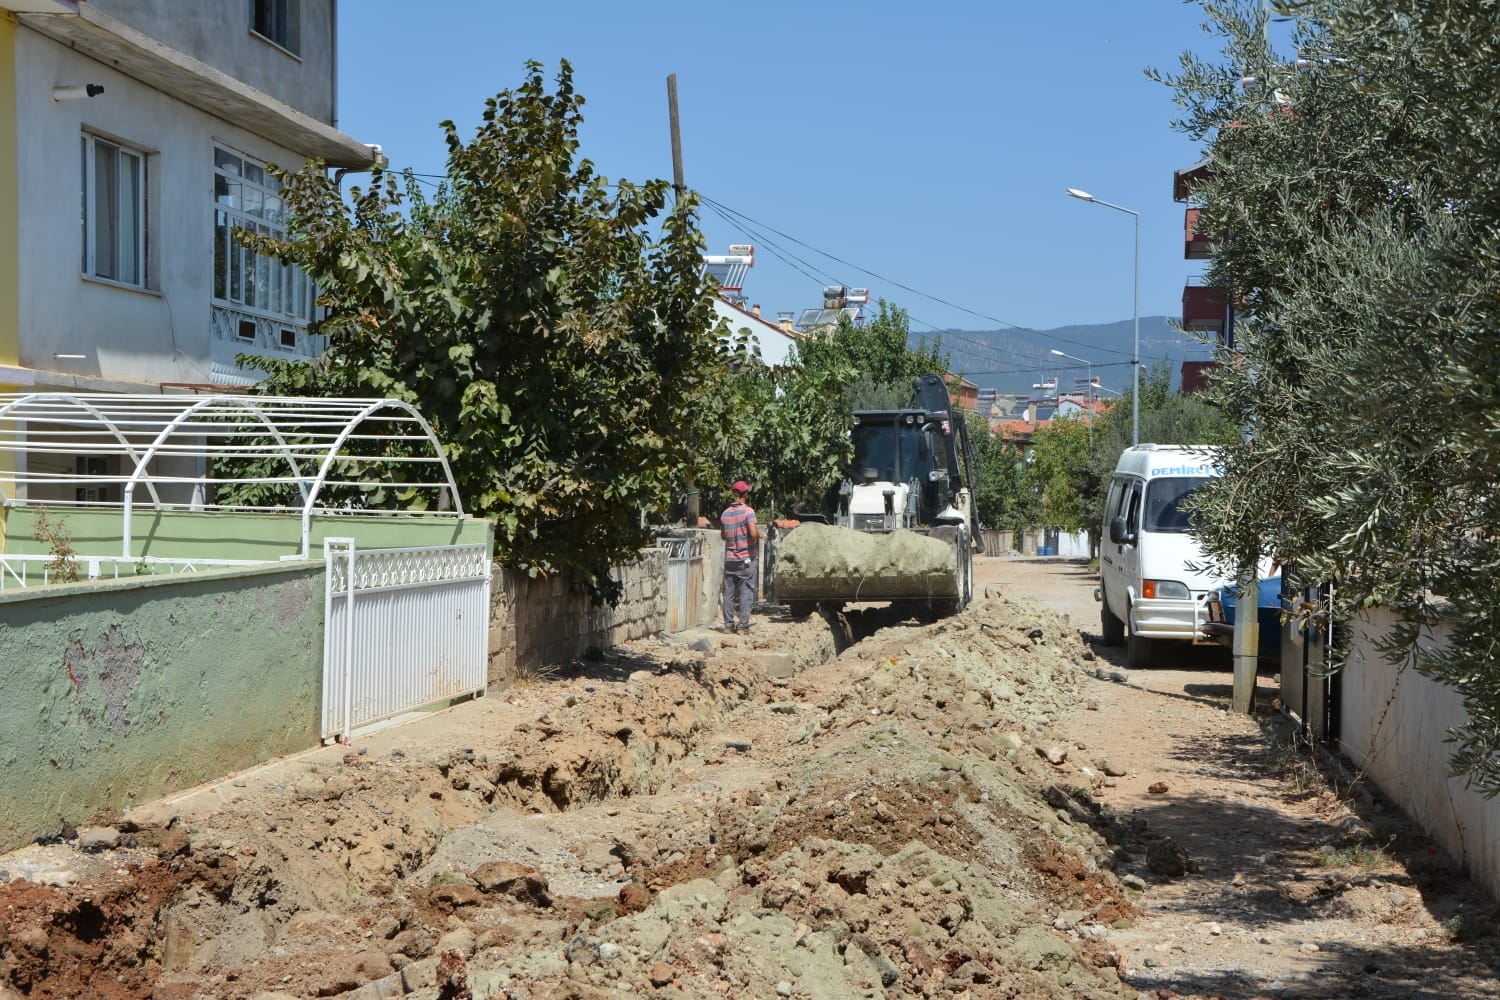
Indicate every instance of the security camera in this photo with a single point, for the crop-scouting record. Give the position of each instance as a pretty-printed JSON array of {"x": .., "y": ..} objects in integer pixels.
[{"x": 76, "y": 91}]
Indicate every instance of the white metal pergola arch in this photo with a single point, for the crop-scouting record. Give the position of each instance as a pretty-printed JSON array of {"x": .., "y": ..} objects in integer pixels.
[{"x": 306, "y": 442}]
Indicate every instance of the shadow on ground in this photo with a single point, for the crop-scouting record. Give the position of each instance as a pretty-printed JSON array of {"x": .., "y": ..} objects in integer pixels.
[{"x": 1303, "y": 866}]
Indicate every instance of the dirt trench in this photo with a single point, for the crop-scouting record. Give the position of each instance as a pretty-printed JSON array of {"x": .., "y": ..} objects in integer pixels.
[{"x": 701, "y": 815}]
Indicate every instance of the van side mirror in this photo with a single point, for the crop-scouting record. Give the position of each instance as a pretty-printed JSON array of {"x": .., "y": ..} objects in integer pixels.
[{"x": 1119, "y": 534}]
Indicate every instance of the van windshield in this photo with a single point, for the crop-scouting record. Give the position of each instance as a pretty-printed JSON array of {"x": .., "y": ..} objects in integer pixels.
[{"x": 1164, "y": 497}]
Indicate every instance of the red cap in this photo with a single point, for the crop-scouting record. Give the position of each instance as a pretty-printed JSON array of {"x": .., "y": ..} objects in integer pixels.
[{"x": 740, "y": 486}]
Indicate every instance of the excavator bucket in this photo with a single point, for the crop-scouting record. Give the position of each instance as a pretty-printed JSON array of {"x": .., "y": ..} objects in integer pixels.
[{"x": 819, "y": 563}]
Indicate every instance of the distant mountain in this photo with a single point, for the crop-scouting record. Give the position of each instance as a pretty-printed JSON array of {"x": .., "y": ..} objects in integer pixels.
[{"x": 1011, "y": 361}]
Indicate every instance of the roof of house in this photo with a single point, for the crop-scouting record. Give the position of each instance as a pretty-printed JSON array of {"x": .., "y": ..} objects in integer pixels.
[{"x": 756, "y": 318}]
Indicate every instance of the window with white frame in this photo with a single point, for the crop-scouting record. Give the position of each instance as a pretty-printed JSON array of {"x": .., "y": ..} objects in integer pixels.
[
  {"x": 114, "y": 211},
  {"x": 247, "y": 197},
  {"x": 277, "y": 21}
]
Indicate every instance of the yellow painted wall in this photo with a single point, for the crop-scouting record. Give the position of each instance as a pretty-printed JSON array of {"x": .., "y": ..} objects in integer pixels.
[
  {"x": 10, "y": 333},
  {"x": 10, "y": 280}
]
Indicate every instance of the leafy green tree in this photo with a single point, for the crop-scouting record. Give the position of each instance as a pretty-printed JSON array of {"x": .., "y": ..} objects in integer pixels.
[
  {"x": 1359, "y": 194},
  {"x": 880, "y": 354},
  {"x": 1058, "y": 468},
  {"x": 550, "y": 324},
  {"x": 1006, "y": 497},
  {"x": 791, "y": 439}
]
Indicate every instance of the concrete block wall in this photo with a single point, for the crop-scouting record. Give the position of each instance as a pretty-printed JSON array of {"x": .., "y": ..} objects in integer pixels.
[
  {"x": 537, "y": 622},
  {"x": 119, "y": 692},
  {"x": 1392, "y": 723}
]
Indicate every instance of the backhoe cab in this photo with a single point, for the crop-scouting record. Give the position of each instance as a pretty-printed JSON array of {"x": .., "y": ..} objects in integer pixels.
[{"x": 910, "y": 485}]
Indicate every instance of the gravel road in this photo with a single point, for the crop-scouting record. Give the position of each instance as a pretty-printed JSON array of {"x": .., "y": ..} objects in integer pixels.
[
  {"x": 988, "y": 805},
  {"x": 1266, "y": 872}
]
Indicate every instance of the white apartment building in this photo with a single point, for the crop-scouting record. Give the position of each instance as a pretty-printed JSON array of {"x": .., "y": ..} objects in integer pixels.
[{"x": 134, "y": 135}]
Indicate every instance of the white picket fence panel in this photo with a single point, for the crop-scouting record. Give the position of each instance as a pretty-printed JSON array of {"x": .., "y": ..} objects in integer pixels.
[{"x": 403, "y": 628}]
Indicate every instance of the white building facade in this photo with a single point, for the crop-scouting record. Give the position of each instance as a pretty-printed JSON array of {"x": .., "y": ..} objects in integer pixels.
[
  {"x": 142, "y": 131},
  {"x": 774, "y": 341}
]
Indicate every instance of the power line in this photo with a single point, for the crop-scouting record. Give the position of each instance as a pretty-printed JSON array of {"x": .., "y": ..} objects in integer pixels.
[
  {"x": 746, "y": 221},
  {"x": 861, "y": 270},
  {"x": 759, "y": 233},
  {"x": 802, "y": 266},
  {"x": 806, "y": 269}
]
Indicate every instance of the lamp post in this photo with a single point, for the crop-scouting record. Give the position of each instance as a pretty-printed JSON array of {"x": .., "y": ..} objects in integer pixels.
[
  {"x": 1091, "y": 391},
  {"x": 1135, "y": 358}
]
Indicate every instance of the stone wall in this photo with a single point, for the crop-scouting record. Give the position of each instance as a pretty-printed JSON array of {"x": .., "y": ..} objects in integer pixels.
[{"x": 540, "y": 622}]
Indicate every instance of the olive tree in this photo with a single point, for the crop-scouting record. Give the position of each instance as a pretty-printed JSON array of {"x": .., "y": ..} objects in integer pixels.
[{"x": 1357, "y": 190}]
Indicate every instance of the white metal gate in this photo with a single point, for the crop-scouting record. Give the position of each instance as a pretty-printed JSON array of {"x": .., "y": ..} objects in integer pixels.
[
  {"x": 403, "y": 628},
  {"x": 684, "y": 580}
]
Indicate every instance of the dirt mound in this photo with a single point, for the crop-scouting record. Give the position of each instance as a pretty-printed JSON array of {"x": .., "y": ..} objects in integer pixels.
[{"x": 666, "y": 821}]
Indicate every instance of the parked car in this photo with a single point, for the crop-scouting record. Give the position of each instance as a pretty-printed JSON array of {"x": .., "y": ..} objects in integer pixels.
[{"x": 1220, "y": 626}]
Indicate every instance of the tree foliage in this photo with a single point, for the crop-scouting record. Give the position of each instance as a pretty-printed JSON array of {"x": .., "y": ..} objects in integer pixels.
[
  {"x": 1358, "y": 193},
  {"x": 1059, "y": 468},
  {"x": 1006, "y": 498},
  {"x": 550, "y": 324},
  {"x": 879, "y": 353},
  {"x": 791, "y": 438},
  {"x": 791, "y": 441}
]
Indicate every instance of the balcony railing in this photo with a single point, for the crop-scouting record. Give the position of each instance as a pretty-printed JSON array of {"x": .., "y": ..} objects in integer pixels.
[
  {"x": 1204, "y": 309},
  {"x": 1196, "y": 245}
]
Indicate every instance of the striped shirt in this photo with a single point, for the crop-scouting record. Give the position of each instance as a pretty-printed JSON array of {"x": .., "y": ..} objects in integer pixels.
[{"x": 736, "y": 521}]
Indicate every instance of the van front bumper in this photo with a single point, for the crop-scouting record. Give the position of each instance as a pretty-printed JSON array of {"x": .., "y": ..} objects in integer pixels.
[{"x": 1174, "y": 618}]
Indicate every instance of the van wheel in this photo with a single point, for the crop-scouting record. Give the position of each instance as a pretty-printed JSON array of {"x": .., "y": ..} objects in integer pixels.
[
  {"x": 1138, "y": 651},
  {"x": 1112, "y": 628}
]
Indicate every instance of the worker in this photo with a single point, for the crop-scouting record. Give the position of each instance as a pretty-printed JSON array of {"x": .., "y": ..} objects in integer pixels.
[{"x": 741, "y": 544}]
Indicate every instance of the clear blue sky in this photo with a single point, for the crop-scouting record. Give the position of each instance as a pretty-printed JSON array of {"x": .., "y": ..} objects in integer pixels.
[{"x": 927, "y": 143}]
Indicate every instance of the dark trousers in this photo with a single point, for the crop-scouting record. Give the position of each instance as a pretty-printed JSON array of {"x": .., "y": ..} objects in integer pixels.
[{"x": 739, "y": 591}]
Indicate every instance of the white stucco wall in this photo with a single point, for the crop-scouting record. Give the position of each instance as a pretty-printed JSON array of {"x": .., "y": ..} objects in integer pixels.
[
  {"x": 774, "y": 343},
  {"x": 128, "y": 335},
  {"x": 218, "y": 33},
  {"x": 1392, "y": 725}
]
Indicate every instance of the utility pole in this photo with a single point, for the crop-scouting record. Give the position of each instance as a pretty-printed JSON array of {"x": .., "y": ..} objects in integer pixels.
[
  {"x": 677, "y": 183},
  {"x": 1246, "y": 639},
  {"x": 692, "y": 503},
  {"x": 1246, "y": 642}
]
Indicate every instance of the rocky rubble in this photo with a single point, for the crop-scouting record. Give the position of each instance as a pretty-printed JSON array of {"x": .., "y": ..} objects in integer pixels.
[{"x": 666, "y": 821}]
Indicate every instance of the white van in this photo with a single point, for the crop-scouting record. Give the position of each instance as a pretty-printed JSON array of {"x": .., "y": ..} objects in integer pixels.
[{"x": 1145, "y": 583}]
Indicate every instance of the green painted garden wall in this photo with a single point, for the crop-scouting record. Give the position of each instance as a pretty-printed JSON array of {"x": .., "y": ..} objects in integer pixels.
[
  {"x": 227, "y": 535},
  {"x": 119, "y": 692}
]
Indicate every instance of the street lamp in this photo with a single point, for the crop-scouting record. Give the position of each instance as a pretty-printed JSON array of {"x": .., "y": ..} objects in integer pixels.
[
  {"x": 1135, "y": 359},
  {"x": 1072, "y": 357}
]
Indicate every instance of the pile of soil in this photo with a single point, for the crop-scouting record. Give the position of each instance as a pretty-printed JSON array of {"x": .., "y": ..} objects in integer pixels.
[{"x": 698, "y": 815}]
